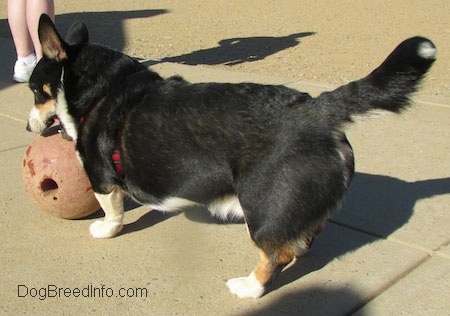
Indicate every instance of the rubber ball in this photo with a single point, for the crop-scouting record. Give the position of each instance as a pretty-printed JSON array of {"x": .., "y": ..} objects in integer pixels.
[{"x": 55, "y": 180}]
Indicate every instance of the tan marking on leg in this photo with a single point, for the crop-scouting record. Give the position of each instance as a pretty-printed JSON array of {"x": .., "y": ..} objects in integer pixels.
[{"x": 269, "y": 266}]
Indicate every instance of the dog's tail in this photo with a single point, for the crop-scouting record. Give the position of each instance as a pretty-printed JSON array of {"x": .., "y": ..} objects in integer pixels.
[{"x": 388, "y": 87}]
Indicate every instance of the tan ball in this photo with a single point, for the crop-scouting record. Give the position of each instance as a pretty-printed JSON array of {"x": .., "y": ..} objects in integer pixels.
[{"x": 55, "y": 180}]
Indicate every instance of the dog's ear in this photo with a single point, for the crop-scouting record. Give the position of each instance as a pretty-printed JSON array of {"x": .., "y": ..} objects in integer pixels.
[
  {"x": 53, "y": 47},
  {"x": 77, "y": 34}
]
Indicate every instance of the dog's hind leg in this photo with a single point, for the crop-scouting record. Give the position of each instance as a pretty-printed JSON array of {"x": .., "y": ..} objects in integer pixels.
[
  {"x": 269, "y": 266},
  {"x": 112, "y": 205}
]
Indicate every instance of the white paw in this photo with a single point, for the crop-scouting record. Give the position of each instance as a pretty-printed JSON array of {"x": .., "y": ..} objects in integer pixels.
[
  {"x": 246, "y": 287},
  {"x": 103, "y": 229}
]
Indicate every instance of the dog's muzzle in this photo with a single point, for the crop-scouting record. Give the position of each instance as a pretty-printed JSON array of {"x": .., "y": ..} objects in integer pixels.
[{"x": 35, "y": 123}]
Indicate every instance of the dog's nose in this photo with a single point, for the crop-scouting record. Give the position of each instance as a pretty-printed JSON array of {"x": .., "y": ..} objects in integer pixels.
[{"x": 28, "y": 127}]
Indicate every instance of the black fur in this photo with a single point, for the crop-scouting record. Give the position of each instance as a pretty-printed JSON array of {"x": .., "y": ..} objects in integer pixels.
[{"x": 281, "y": 152}]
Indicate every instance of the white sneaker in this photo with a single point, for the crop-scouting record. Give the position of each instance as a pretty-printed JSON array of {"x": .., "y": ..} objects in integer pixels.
[{"x": 22, "y": 71}]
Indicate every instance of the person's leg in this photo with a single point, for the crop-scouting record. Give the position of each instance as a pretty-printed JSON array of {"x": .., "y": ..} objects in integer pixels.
[
  {"x": 19, "y": 28},
  {"x": 26, "y": 58},
  {"x": 34, "y": 9}
]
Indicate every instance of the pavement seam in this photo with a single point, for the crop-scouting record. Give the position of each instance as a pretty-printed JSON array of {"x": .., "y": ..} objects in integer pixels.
[
  {"x": 429, "y": 252},
  {"x": 441, "y": 254},
  {"x": 391, "y": 283},
  {"x": 13, "y": 118},
  {"x": 432, "y": 103},
  {"x": 13, "y": 148}
]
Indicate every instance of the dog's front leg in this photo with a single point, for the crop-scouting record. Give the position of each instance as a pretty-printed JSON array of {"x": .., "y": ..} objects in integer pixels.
[{"x": 112, "y": 205}]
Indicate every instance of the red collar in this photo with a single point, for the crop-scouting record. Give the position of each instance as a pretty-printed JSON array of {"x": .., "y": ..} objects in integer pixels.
[
  {"x": 117, "y": 160},
  {"x": 116, "y": 155}
]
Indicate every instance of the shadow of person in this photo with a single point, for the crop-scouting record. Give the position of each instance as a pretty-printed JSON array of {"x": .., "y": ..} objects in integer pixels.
[
  {"x": 375, "y": 206},
  {"x": 235, "y": 51},
  {"x": 104, "y": 27}
]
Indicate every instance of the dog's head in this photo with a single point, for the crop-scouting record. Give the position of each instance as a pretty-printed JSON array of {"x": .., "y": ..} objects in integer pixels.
[{"x": 45, "y": 81}]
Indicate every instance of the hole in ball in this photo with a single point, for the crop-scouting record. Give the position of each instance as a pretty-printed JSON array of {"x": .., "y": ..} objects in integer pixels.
[{"x": 48, "y": 185}]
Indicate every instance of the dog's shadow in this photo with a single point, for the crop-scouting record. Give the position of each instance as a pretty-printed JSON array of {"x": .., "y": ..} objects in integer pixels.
[
  {"x": 153, "y": 217},
  {"x": 376, "y": 206},
  {"x": 234, "y": 51}
]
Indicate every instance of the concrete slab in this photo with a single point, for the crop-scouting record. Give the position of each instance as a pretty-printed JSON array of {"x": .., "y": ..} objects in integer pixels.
[
  {"x": 16, "y": 102},
  {"x": 422, "y": 292},
  {"x": 181, "y": 263},
  {"x": 345, "y": 268},
  {"x": 402, "y": 163},
  {"x": 13, "y": 133},
  {"x": 444, "y": 251}
]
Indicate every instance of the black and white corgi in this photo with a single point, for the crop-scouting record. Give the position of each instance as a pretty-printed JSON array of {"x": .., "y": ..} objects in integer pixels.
[{"x": 273, "y": 156}]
